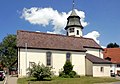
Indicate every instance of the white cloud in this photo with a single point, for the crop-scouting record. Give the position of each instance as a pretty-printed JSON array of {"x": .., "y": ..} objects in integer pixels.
[
  {"x": 37, "y": 31},
  {"x": 49, "y": 16},
  {"x": 94, "y": 35},
  {"x": 103, "y": 46},
  {"x": 51, "y": 32}
]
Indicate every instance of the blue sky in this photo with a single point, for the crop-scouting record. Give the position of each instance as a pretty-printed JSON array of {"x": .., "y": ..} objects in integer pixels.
[{"x": 102, "y": 16}]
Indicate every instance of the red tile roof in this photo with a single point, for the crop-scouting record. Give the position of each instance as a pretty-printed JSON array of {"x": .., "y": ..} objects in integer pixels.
[
  {"x": 96, "y": 60},
  {"x": 54, "y": 41},
  {"x": 113, "y": 53}
]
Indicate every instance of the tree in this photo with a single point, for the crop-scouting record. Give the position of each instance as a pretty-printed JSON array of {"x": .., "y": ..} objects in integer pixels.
[
  {"x": 40, "y": 71},
  {"x": 68, "y": 71},
  {"x": 116, "y": 45},
  {"x": 113, "y": 45},
  {"x": 8, "y": 50},
  {"x": 68, "y": 67}
]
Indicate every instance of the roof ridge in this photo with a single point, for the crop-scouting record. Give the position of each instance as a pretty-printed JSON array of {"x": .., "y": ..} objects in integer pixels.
[
  {"x": 41, "y": 33},
  {"x": 53, "y": 34},
  {"x": 87, "y": 38}
]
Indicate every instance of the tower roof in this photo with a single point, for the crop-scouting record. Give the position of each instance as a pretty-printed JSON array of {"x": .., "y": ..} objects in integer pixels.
[
  {"x": 73, "y": 13},
  {"x": 73, "y": 20}
]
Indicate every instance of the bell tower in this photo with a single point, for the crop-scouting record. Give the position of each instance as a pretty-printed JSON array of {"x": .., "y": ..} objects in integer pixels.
[{"x": 74, "y": 27}]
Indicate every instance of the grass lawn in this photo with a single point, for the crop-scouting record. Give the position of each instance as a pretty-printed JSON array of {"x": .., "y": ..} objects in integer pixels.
[{"x": 57, "y": 80}]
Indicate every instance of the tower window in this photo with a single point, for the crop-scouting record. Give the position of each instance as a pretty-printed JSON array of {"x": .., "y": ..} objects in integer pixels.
[
  {"x": 71, "y": 30},
  {"x": 77, "y": 32}
]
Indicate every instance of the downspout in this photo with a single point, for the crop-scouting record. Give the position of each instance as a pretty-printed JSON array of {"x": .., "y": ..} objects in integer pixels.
[
  {"x": 26, "y": 56},
  {"x": 18, "y": 54}
]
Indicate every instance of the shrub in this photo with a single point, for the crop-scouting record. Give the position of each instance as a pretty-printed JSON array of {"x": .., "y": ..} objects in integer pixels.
[
  {"x": 61, "y": 74},
  {"x": 72, "y": 74},
  {"x": 68, "y": 71},
  {"x": 40, "y": 71},
  {"x": 67, "y": 67}
]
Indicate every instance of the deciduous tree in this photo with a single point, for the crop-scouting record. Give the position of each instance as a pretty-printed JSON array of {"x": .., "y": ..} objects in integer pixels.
[
  {"x": 113, "y": 45},
  {"x": 8, "y": 50}
]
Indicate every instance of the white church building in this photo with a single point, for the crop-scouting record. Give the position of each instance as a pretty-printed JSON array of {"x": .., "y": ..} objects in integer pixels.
[{"x": 54, "y": 49}]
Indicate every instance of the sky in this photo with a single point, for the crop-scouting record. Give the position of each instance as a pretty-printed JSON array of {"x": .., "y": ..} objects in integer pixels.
[{"x": 100, "y": 18}]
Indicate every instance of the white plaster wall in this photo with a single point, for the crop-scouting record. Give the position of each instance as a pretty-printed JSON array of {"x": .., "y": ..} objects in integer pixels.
[
  {"x": 75, "y": 32},
  {"x": 30, "y": 56},
  {"x": 71, "y": 34},
  {"x": 96, "y": 52},
  {"x": 101, "y": 54},
  {"x": 78, "y": 61},
  {"x": 89, "y": 68},
  {"x": 80, "y": 31},
  {"x": 58, "y": 60},
  {"x": 98, "y": 73}
]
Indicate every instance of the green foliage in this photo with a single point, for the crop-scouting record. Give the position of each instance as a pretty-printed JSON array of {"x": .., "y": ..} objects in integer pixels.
[
  {"x": 8, "y": 50},
  {"x": 72, "y": 74},
  {"x": 63, "y": 75},
  {"x": 113, "y": 45},
  {"x": 67, "y": 67},
  {"x": 58, "y": 80},
  {"x": 40, "y": 71},
  {"x": 68, "y": 71}
]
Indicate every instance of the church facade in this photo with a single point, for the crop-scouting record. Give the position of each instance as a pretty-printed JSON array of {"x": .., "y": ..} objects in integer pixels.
[{"x": 54, "y": 49}]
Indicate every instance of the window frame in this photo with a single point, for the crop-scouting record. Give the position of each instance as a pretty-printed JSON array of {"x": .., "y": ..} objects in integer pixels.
[
  {"x": 101, "y": 69},
  {"x": 77, "y": 32},
  {"x": 72, "y": 30},
  {"x": 68, "y": 56},
  {"x": 48, "y": 58},
  {"x": 31, "y": 64}
]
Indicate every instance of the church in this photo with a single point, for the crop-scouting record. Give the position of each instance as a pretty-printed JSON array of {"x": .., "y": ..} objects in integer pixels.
[{"x": 54, "y": 50}]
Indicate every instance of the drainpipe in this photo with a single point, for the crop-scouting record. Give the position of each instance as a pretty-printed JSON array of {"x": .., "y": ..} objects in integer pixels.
[{"x": 26, "y": 56}]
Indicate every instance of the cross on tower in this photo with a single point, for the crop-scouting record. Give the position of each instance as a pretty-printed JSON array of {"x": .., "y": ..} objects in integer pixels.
[{"x": 73, "y": 4}]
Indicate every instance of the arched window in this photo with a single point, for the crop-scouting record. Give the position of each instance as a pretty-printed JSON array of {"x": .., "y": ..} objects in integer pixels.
[
  {"x": 68, "y": 56},
  {"x": 48, "y": 58}
]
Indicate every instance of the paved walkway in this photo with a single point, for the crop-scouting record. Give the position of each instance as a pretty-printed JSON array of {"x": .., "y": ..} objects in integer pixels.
[{"x": 11, "y": 80}]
